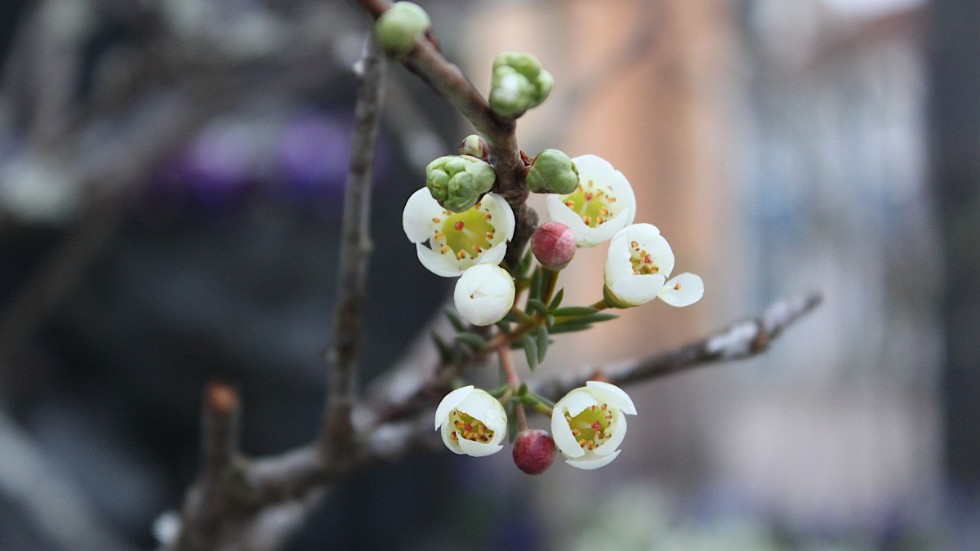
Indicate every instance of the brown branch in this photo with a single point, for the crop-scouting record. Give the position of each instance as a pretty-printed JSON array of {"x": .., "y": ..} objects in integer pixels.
[
  {"x": 355, "y": 247},
  {"x": 738, "y": 341}
]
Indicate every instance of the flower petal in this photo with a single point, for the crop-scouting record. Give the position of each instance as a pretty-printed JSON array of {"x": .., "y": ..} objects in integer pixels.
[
  {"x": 562, "y": 433},
  {"x": 453, "y": 445},
  {"x": 618, "y": 434},
  {"x": 612, "y": 395},
  {"x": 635, "y": 290},
  {"x": 478, "y": 449},
  {"x": 502, "y": 214},
  {"x": 593, "y": 461},
  {"x": 417, "y": 216},
  {"x": 450, "y": 402},
  {"x": 683, "y": 290},
  {"x": 577, "y": 401},
  {"x": 444, "y": 265},
  {"x": 484, "y": 294}
]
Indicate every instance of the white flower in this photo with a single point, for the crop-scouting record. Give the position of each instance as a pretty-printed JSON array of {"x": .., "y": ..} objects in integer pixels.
[
  {"x": 589, "y": 424},
  {"x": 602, "y": 204},
  {"x": 472, "y": 421},
  {"x": 484, "y": 294},
  {"x": 450, "y": 242},
  {"x": 637, "y": 267}
]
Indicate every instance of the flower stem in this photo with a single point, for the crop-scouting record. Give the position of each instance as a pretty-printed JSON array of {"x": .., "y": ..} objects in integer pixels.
[
  {"x": 601, "y": 305},
  {"x": 549, "y": 285},
  {"x": 503, "y": 350}
]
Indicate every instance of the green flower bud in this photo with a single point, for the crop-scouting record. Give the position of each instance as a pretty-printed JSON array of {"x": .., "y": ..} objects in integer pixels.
[
  {"x": 475, "y": 146},
  {"x": 552, "y": 172},
  {"x": 458, "y": 181},
  {"x": 397, "y": 28},
  {"x": 518, "y": 83}
]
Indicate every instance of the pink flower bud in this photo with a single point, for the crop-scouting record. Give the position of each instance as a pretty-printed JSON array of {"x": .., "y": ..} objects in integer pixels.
[
  {"x": 534, "y": 451},
  {"x": 553, "y": 244}
]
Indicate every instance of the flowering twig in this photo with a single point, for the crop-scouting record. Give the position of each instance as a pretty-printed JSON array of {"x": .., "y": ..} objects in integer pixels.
[{"x": 355, "y": 246}]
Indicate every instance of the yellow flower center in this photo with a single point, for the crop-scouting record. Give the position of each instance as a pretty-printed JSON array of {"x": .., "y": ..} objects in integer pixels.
[
  {"x": 464, "y": 233},
  {"x": 591, "y": 426},
  {"x": 469, "y": 427},
  {"x": 595, "y": 204},
  {"x": 643, "y": 262}
]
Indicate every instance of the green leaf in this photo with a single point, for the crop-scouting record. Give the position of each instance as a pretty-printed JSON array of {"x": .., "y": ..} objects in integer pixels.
[
  {"x": 556, "y": 302},
  {"x": 574, "y": 311},
  {"x": 542, "y": 343},
  {"x": 534, "y": 290},
  {"x": 472, "y": 339},
  {"x": 569, "y": 328},
  {"x": 456, "y": 321},
  {"x": 537, "y": 306},
  {"x": 541, "y": 399},
  {"x": 504, "y": 326},
  {"x": 531, "y": 351},
  {"x": 590, "y": 318}
]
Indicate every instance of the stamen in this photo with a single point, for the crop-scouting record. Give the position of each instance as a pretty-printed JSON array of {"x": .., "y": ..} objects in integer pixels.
[
  {"x": 444, "y": 249},
  {"x": 436, "y": 220},
  {"x": 677, "y": 286},
  {"x": 587, "y": 219},
  {"x": 440, "y": 236},
  {"x": 570, "y": 204},
  {"x": 460, "y": 254}
]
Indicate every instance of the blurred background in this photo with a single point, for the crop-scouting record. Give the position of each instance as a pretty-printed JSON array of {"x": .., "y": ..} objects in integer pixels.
[{"x": 171, "y": 175}]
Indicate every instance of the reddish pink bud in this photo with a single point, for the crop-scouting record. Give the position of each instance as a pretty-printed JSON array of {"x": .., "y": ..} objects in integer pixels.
[
  {"x": 534, "y": 451},
  {"x": 553, "y": 244}
]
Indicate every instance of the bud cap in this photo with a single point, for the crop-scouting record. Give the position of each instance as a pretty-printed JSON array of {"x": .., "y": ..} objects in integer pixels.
[
  {"x": 534, "y": 451},
  {"x": 553, "y": 244},
  {"x": 552, "y": 172},
  {"x": 399, "y": 26},
  {"x": 458, "y": 181}
]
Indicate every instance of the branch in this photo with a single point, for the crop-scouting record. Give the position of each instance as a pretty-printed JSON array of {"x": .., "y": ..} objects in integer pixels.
[
  {"x": 355, "y": 247},
  {"x": 738, "y": 341}
]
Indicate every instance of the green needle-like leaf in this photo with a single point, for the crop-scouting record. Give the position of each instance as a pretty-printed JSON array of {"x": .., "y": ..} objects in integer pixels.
[{"x": 531, "y": 351}]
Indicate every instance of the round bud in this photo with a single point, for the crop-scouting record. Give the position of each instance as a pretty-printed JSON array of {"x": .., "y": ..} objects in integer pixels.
[
  {"x": 517, "y": 84},
  {"x": 399, "y": 26},
  {"x": 475, "y": 146},
  {"x": 552, "y": 172},
  {"x": 534, "y": 451},
  {"x": 553, "y": 244}
]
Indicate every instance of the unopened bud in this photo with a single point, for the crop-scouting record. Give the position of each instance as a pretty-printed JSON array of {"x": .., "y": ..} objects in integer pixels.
[
  {"x": 458, "y": 181},
  {"x": 534, "y": 451},
  {"x": 517, "y": 84},
  {"x": 552, "y": 172},
  {"x": 553, "y": 244},
  {"x": 475, "y": 146},
  {"x": 399, "y": 26}
]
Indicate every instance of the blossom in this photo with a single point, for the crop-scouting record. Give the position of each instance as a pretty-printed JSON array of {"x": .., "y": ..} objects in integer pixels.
[
  {"x": 472, "y": 422},
  {"x": 484, "y": 294},
  {"x": 601, "y": 205},
  {"x": 450, "y": 242},
  {"x": 588, "y": 424},
  {"x": 637, "y": 267}
]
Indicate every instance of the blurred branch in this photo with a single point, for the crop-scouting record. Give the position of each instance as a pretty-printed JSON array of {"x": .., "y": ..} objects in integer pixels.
[
  {"x": 299, "y": 476},
  {"x": 54, "y": 505},
  {"x": 738, "y": 341},
  {"x": 354, "y": 249}
]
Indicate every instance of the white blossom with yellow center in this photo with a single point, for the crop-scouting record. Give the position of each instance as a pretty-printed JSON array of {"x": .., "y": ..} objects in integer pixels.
[
  {"x": 449, "y": 242},
  {"x": 601, "y": 205},
  {"x": 472, "y": 422},
  {"x": 637, "y": 267},
  {"x": 589, "y": 424}
]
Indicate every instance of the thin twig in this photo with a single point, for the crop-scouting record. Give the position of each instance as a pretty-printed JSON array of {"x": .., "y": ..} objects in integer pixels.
[
  {"x": 738, "y": 341},
  {"x": 355, "y": 247}
]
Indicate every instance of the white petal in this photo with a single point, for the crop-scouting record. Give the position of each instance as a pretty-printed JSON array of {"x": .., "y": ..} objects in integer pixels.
[
  {"x": 559, "y": 212},
  {"x": 444, "y": 265},
  {"x": 450, "y": 402},
  {"x": 484, "y": 294},
  {"x": 635, "y": 290},
  {"x": 577, "y": 401},
  {"x": 593, "y": 462},
  {"x": 494, "y": 255},
  {"x": 612, "y": 395},
  {"x": 562, "y": 433},
  {"x": 478, "y": 449},
  {"x": 503, "y": 215},
  {"x": 417, "y": 216},
  {"x": 453, "y": 445},
  {"x": 683, "y": 290},
  {"x": 618, "y": 433}
]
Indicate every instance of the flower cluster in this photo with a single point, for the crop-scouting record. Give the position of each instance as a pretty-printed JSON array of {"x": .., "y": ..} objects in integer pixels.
[
  {"x": 588, "y": 426},
  {"x": 462, "y": 228}
]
